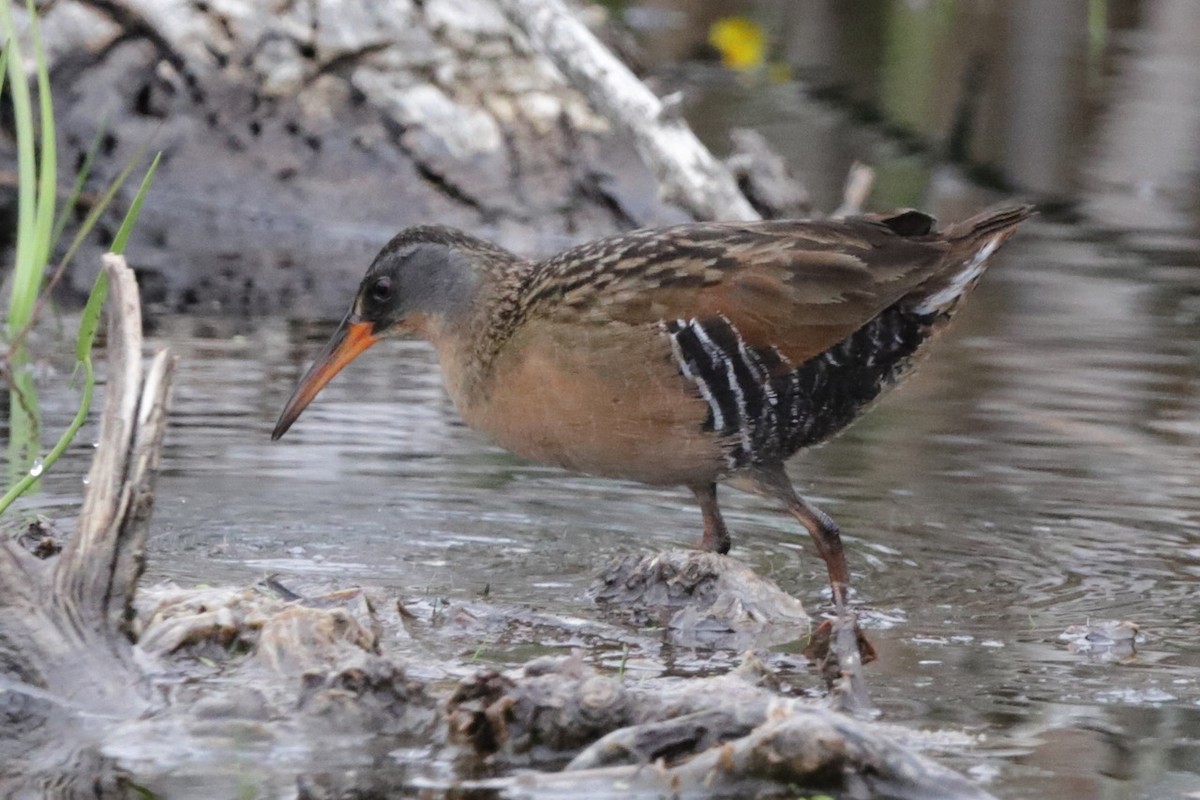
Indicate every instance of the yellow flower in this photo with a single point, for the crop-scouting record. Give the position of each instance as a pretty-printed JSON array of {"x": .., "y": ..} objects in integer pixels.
[{"x": 740, "y": 42}]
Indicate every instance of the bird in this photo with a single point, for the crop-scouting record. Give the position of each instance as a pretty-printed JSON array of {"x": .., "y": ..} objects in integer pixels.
[{"x": 697, "y": 355}]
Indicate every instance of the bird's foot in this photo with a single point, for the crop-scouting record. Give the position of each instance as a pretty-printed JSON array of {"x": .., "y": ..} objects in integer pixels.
[
  {"x": 840, "y": 649},
  {"x": 821, "y": 644},
  {"x": 715, "y": 542}
]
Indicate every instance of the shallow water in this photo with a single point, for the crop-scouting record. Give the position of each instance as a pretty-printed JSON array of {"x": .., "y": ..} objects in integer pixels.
[{"x": 1038, "y": 471}]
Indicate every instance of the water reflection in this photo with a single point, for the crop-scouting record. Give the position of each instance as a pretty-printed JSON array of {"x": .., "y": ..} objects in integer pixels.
[{"x": 1093, "y": 102}]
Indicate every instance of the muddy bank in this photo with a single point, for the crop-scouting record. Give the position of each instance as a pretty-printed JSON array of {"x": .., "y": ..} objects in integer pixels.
[{"x": 323, "y": 128}]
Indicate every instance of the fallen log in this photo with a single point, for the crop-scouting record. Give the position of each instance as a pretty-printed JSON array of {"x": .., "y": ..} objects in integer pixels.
[
  {"x": 725, "y": 736},
  {"x": 264, "y": 108}
]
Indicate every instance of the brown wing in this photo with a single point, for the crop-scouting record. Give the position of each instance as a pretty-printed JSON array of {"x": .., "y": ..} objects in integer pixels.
[{"x": 800, "y": 287}]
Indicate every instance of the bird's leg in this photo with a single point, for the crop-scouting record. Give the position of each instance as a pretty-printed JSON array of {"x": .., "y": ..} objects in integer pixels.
[
  {"x": 820, "y": 526},
  {"x": 716, "y": 536},
  {"x": 838, "y": 645}
]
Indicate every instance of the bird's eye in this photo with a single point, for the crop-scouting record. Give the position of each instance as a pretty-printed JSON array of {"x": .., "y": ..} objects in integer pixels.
[{"x": 381, "y": 290}]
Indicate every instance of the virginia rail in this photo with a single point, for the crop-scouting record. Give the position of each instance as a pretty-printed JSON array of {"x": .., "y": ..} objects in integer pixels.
[{"x": 688, "y": 355}]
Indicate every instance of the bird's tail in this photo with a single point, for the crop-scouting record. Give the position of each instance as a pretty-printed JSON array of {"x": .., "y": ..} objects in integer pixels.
[{"x": 972, "y": 243}]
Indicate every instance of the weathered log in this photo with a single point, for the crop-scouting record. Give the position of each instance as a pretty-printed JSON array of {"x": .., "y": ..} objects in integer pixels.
[
  {"x": 686, "y": 170},
  {"x": 63, "y": 621},
  {"x": 264, "y": 110},
  {"x": 726, "y": 736},
  {"x": 795, "y": 751}
]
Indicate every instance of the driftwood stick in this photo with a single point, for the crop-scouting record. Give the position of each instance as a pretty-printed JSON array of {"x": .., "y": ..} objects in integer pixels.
[
  {"x": 686, "y": 170},
  {"x": 144, "y": 458},
  {"x": 84, "y": 569}
]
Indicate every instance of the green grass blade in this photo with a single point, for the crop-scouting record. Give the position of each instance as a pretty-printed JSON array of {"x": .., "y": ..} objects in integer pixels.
[
  {"x": 93, "y": 216},
  {"x": 26, "y": 279},
  {"x": 3, "y": 69},
  {"x": 26, "y": 275},
  {"x": 31, "y": 477},
  {"x": 85, "y": 228},
  {"x": 47, "y": 193},
  {"x": 64, "y": 215},
  {"x": 91, "y": 318},
  {"x": 135, "y": 208},
  {"x": 64, "y": 441}
]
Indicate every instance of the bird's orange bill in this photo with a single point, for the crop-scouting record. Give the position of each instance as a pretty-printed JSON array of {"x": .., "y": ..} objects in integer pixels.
[{"x": 350, "y": 339}]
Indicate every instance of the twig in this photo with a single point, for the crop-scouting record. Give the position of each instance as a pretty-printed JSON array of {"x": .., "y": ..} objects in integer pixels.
[{"x": 860, "y": 180}]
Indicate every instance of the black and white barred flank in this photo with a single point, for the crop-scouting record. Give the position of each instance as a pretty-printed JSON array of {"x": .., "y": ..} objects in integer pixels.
[
  {"x": 764, "y": 407},
  {"x": 735, "y": 381}
]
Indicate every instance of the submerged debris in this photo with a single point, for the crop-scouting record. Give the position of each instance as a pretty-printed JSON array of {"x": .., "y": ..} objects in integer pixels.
[
  {"x": 1103, "y": 640},
  {"x": 703, "y": 599},
  {"x": 547, "y": 709},
  {"x": 709, "y": 600},
  {"x": 41, "y": 538},
  {"x": 319, "y": 658},
  {"x": 727, "y": 736},
  {"x": 371, "y": 695}
]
